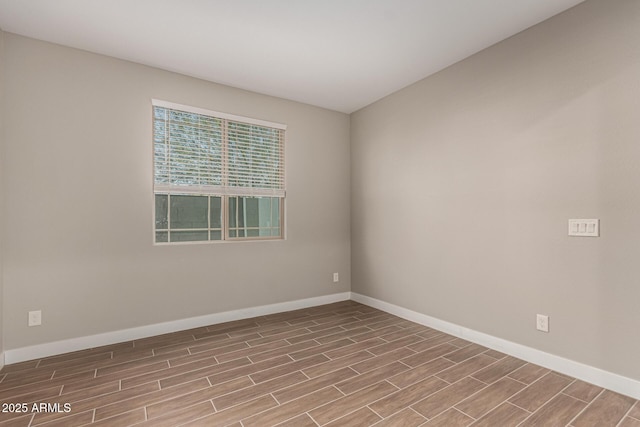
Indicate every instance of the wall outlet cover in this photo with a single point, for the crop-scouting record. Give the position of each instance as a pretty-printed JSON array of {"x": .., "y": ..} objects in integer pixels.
[
  {"x": 35, "y": 318},
  {"x": 542, "y": 323}
]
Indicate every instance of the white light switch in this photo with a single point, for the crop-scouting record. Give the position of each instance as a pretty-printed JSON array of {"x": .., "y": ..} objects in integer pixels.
[{"x": 584, "y": 227}]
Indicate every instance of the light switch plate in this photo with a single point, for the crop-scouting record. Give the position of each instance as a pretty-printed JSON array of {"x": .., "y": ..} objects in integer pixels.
[{"x": 584, "y": 227}]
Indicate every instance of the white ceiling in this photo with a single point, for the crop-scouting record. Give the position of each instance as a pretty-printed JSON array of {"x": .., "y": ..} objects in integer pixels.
[{"x": 337, "y": 54}]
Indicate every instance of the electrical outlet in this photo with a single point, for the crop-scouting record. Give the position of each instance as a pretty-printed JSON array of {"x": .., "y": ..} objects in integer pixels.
[
  {"x": 336, "y": 278},
  {"x": 542, "y": 323},
  {"x": 35, "y": 318}
]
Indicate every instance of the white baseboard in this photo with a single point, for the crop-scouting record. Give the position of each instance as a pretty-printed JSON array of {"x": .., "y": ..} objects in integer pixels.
[
  {"x": 1, "y": 361},
  {"x": 590, "y": 374},
  {"x": 599, "y": 377},
  {"x": 83, "y": 343}
]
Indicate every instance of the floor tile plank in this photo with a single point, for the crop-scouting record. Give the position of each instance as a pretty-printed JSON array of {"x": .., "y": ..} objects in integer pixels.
[
  {"x": 583, "y": 391},
  {"x": 540, "y": 392},
  {"x": 529, "y": 373},
  {"x": 361, "y": 418},
  {"x": 485, "y": 400},
  {"x": 498, "y": 370},
  {"x": 505, "y": 415},
  {"x": 346, "y": 404},
  {"x": 559, "y": 411},
  {"x": 450, "y": 418},
  {"x": 439, "y": 402},
  {"x": 293, "y": 408},
  {"x": 371, "y": 377},
  {"x": 470, "y": 366},
  {"x": 606, "y": 410},
  {"x": 336, "y": 364},
  {"x": 340, "y": 364},
  {"x": 629, "y": 422},
  {"x": 254, "y": 391},
  {"x": 420, "y": 372},
  {"x": 303, "y": 420},
  {"x": 635, "y": 411},
  {"x": 407, "y": 396},
  {"x": 404, "y": 418},
  {"x": 174, "y": 404},
  {"x": 303, "y": 388},
  {"x": 180, "y": 416}
]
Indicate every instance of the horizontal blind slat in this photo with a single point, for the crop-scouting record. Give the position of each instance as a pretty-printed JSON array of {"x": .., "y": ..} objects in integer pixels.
[{"x": 188, "y": 151}]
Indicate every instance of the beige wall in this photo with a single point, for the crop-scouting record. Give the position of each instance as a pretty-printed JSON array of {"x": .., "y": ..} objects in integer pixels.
[
  {"x": 78, "y": 198},
  {"x": 462, "y": 185},
  {"x": 2, "y": 59}
]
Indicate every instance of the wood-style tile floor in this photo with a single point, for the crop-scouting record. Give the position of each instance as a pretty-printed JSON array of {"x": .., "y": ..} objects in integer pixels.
[{"x": 342, "y": 364}]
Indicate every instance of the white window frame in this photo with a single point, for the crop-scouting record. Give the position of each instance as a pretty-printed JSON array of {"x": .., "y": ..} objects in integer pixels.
[{"x": 225, "y": 193}]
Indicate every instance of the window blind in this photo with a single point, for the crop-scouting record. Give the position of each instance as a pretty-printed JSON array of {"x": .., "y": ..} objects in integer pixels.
[{"x": 203, "y": 152}]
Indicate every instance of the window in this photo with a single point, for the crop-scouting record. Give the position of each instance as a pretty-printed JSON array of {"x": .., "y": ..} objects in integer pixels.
[{"x": 216, "y": 176}]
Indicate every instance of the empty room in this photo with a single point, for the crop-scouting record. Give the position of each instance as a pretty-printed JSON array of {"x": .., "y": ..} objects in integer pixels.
[{"x": 303, "y": 213}]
